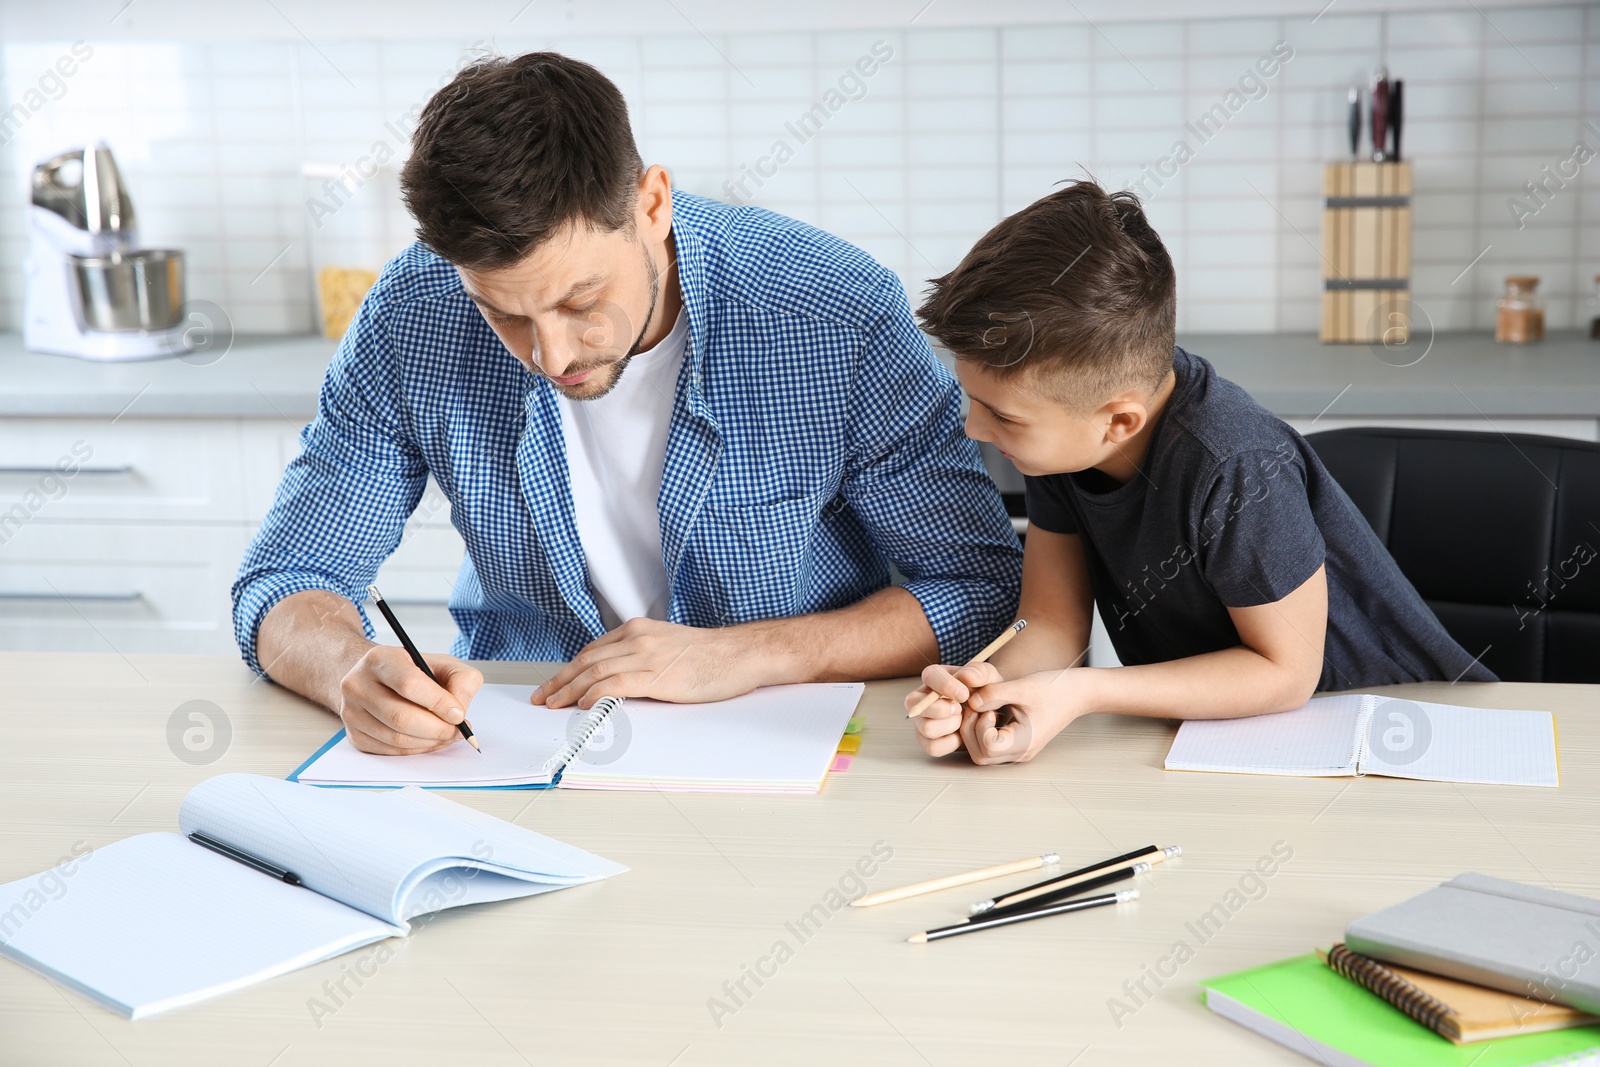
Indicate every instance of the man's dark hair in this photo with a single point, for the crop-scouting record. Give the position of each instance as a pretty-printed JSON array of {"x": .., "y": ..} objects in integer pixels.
[
  {"x": 515, "y": 149},
  {"x": 1077, "y": 282}
]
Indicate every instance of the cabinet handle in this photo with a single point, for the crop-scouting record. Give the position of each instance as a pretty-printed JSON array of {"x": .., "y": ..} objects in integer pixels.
[
  {"x": 107, "y": 597},
  {"x": 124, "y": 469}
]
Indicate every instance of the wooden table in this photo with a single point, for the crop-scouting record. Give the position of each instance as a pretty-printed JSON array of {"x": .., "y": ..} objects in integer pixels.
[{"x": 631, "y": 970}]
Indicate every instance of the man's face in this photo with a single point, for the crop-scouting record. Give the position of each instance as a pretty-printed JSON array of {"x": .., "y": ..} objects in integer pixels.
[{"x": 575, "y": 309}]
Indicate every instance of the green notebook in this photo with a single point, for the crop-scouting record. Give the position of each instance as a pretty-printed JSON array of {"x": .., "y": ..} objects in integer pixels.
[{"x": 1302, "y": 1004}]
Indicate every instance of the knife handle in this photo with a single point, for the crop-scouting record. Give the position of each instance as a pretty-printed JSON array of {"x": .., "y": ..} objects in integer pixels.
[
  {"x": 1396, "y": 93},
  {"x": 1355, "y": 122},
  {"x": 1380, "y": 119}
]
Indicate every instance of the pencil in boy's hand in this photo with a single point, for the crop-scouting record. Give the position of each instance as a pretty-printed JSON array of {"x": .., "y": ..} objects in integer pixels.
[
  {"x": 982, "y": 657},
  {"x": 463, "y": 727}
]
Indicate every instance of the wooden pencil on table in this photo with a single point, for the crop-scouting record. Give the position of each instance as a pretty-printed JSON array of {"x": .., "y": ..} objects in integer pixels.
[
  {"x": 951, "y": 881},
  {"x": 982, "y": 657}
]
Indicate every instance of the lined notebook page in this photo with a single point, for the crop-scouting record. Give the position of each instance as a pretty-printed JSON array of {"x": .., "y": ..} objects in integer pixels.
[
  {"x": 777, "y": 739},
  {"x": 1445, "y": 743},
  {"x": 1315, "y": 741},
  {"x": 155, "y": 921},
  {"x": 517, "y": 738},
  {"x": 371, "y": 850}
]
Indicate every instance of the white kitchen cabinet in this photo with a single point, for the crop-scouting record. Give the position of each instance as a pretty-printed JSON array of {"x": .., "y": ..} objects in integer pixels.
[
  {"x": 107, "y": 587},
  {"x": 126, "y": 535},
  {"x": 131, "y": 470}
]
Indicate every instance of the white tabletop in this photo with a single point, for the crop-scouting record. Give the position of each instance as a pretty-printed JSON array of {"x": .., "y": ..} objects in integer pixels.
[{"x": 625, "y": 971}]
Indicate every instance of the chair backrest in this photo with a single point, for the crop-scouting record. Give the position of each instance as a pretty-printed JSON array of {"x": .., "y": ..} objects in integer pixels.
[{"x": 1500, "y": 533}]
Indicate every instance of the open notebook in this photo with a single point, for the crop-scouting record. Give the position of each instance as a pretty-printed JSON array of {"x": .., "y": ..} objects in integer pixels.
[
  {"x": 157, "y": 921},
  {"x": 780, "y": 739},
  {"x": 1362, "y": 733}
]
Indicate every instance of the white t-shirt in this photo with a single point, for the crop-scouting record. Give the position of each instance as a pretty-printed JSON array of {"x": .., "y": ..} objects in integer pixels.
[{"x": 616, "y": 451}]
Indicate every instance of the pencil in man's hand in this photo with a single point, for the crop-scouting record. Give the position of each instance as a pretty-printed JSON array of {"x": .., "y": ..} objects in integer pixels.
[
  {"x": 982, "y": 657},
  {"x": 463, "y": 727}
]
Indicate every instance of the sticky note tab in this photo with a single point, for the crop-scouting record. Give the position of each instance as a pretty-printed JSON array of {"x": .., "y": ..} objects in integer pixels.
[
  {"x": 850, "y": 743},
  {"x": 841, "y": 762},
  {"x": 854, "y": 726}
]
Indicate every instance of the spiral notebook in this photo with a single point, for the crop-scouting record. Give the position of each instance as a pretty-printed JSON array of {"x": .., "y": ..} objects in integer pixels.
[
  {"x": 1461, "y": 1012},
  {"x": 157, "y": 921},
  {"x": 1306, "y": 1007},
  {"x": 1363, "y": 733},
  {"x": 780, "y": 739},
  {"x": 1493, "y": 932}
]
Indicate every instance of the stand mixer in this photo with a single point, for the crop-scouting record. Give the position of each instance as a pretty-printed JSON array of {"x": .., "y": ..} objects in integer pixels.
[{"x": 91, "y": 291}]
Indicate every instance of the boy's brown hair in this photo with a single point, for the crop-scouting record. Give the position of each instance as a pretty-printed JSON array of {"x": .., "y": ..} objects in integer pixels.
[{"x": 1075, "y": 289}]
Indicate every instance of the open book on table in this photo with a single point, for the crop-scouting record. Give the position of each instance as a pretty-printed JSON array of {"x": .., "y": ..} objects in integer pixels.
[
  {"x": 1364, "y": 733},
  {"x": 157, "y": 921}
]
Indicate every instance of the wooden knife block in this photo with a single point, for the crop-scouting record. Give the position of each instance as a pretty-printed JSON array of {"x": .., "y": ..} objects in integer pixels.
[{"x": 1366, "y": 253}]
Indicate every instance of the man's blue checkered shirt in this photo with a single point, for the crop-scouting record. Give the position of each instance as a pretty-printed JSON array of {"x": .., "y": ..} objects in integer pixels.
[{"x": 815, "y": 439}]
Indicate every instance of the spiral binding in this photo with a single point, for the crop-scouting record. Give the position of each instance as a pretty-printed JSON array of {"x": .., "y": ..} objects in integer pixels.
[
  {"x": 1363, "y": 739},
  {"x": 583, "y": 733},
  {"x": 1376, "y": 978}
]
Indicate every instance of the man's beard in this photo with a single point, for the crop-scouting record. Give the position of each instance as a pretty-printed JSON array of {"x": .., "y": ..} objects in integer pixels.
[{"x": 633, "y": 350}]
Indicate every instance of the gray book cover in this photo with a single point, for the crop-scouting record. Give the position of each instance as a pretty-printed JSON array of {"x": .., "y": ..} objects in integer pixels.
[{"x": 1519, "y": 938}]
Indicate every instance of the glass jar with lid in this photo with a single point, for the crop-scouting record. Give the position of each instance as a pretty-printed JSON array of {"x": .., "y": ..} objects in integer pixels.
[{"x": 1520, "y": 315}]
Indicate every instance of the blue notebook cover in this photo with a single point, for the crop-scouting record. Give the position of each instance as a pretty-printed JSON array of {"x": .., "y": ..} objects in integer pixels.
[{"x": 294, "y": 775}]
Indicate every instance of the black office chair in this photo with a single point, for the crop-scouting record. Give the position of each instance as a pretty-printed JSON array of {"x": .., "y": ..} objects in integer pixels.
[{"x": 1500, "y": 533}]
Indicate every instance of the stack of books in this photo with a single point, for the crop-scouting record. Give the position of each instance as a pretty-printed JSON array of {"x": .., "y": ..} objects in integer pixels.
[{"x": 1478, "y": 972}]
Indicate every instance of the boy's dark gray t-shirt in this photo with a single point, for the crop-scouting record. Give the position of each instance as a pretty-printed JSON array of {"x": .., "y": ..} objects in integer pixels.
[{"x": 1234, "y": 509}]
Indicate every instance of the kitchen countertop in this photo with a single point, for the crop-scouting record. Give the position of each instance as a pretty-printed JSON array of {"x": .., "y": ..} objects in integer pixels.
[
  {"x": 1460, "y": 375},
  {"x": 262, "y": 376}
]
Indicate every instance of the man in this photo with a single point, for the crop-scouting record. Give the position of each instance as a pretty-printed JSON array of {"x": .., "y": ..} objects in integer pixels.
[{"x": 684, "y": 442}]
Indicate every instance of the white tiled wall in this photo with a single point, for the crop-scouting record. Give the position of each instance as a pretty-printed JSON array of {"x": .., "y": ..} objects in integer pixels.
[{"x": 959, "y": 127}]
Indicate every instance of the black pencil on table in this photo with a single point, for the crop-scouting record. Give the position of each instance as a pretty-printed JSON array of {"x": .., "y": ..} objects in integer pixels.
[
  {"x": 980, "y": 923},
  {"x": 416, "y": 657},
  {"x": 1045, "y": 900},
  {"x": 1059, "y": 880}
]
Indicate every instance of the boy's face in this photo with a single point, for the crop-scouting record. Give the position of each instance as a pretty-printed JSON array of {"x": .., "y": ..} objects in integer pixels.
[{"x": 1041, "y": 435}]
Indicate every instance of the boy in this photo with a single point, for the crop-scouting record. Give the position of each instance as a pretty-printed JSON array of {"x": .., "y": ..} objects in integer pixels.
[{"x": 1234, "y": 575}]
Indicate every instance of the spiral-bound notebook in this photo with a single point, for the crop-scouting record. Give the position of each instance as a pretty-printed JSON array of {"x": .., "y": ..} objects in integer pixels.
[
  {"x": 1458, "y": 1011},
  {"x": 1363, "y": 733},
  {"x": 1310, "y": 1009},
  {"x": 780, "y": 739}
]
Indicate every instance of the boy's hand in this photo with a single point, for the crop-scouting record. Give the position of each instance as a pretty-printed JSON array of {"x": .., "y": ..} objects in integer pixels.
[
  {"x": 1010, "y": 722},
  {"x": 938, "y": 728}
]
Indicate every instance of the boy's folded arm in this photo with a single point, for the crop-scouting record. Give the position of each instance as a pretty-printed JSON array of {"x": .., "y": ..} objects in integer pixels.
[{"x": 1275, "y": 667}]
